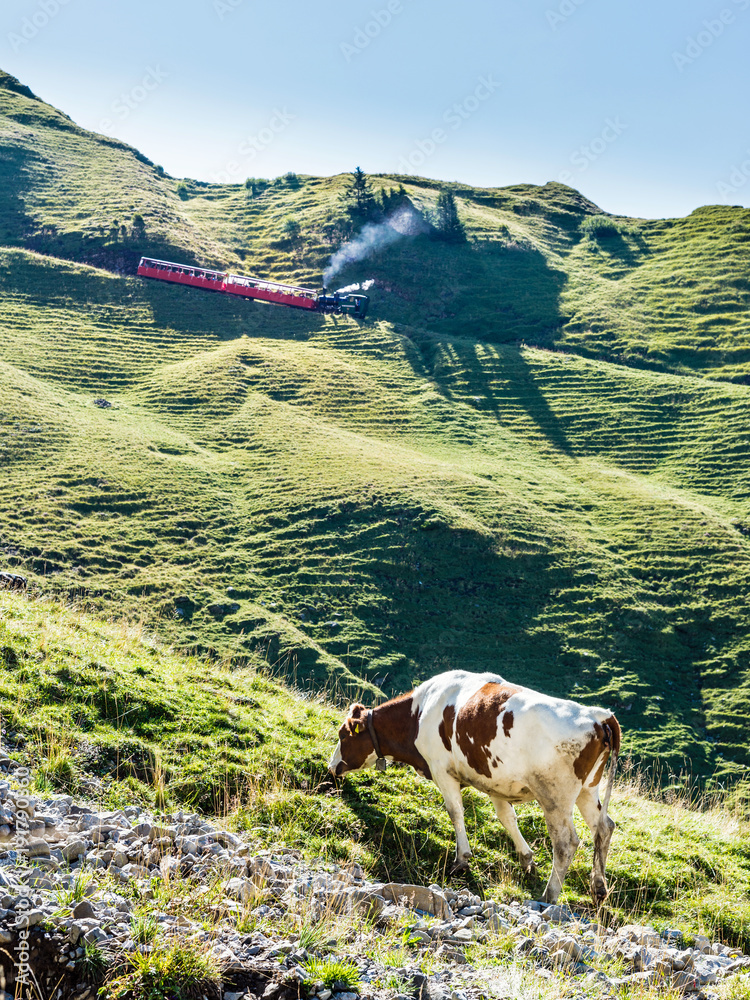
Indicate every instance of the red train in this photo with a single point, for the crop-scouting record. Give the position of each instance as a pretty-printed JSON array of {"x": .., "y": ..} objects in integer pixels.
[{"x": 352, "y": 304}]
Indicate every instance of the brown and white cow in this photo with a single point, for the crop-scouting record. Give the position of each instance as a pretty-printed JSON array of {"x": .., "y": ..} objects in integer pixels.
[{"x": 461, "y": 729}]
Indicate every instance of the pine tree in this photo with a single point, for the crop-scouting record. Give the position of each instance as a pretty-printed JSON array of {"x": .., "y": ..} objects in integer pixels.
[
  {"x": 359, "y": 196},
  {"x": 447, "y": 224}
]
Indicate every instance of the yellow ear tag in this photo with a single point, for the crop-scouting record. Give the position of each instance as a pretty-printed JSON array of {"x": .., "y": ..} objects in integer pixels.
[{"x": 359, "y": 728}]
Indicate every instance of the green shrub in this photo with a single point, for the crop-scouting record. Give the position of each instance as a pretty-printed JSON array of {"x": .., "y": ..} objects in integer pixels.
[
  {"x": 143, "y": 928},
  {"x": 291, "y": 229},
  {"x": 92, "y": 965},
  {"x": 333, "y": 972},
  {"x": 167, "y": 973},
  {"x": 256, "y": 185},
  {"x": 596, "y": 226},
  {"x": 67, "y": 898}
]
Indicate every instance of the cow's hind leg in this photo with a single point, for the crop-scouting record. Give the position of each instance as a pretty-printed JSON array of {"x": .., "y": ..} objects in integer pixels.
[
  {"x": 450, "y": 789},
  {"x": 564, "y": 845},
  {"x": 601, "y": 827},
  {"x": 507, "y": 816}
]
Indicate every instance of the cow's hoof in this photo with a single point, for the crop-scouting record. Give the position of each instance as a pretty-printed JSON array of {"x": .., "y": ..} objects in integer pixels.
[
  {"x": 527, "y": 863},
  {"x": 599, "y": 893},
  {"x": 460, "y": 867}
]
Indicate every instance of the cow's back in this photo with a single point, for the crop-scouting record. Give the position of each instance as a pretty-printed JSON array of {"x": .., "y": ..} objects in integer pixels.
[{"x": 504, "y": 738}]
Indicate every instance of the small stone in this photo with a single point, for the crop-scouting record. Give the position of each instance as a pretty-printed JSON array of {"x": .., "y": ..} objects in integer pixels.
[
  {"x": 685, "y": 982},
  {"x": 30, "y": 918},
  {"x": 36, "y": 849},
  {"x": 84, "y": 910},
  {"x": 702, "y": 944},
  {"x": 558, "y": 914},
  {"x": 94, "y": 936},
  {"x": 73, "y": 850},
  {"x": 672, "y": 935}
]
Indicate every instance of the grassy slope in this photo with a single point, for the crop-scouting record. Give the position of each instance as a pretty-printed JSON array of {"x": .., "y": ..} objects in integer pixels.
[
  {"x": 79, "y": 697},
  {"x": 397, "y": 498},
  {"x": 671, "y": 294}
]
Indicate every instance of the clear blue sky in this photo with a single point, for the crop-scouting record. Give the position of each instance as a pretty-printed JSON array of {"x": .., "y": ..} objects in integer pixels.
[{"x": 643, "y": 105}]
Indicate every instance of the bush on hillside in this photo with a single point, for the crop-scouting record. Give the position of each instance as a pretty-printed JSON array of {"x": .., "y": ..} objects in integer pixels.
[
  {"x": 291, "y": 229},
  {"x": 292, "y": 180},
  {"x": 182, "y": 190},
  {"x": 596, "y": 226},
  {"x": 255, "y": 186}
]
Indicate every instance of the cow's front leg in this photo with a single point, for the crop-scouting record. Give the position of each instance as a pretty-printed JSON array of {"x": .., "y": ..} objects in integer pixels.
[
  {"x": 507, "y": 816},
  {"x": 450, "y": 789}
]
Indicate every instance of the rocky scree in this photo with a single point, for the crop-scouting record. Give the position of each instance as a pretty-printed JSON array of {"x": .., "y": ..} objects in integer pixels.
[{"x": 85, "y": 876}]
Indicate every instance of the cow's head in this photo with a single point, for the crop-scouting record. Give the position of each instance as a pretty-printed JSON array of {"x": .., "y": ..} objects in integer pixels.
[{"x": 355, "y": 749}]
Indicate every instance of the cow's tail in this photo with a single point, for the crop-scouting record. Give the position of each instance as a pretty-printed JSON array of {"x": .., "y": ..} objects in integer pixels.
[{"x": 612, "y": 735}]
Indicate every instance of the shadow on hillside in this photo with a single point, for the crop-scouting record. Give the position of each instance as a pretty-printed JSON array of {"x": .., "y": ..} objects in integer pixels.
[
  {"x": 486, "y": 363},
  {"x": 630, "y": 249},
  {"x": 447, "y": 599},
  {"x": 495, "y": 378},
  {"x": 15, "y": 166},
  {"x": 175, "y": 310},
  {"x": 194, "y": 311},
  {"x": 493, "y": 290}
]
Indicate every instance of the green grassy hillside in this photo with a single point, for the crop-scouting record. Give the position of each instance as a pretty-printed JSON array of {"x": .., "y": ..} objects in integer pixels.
[
  {"x": 532, "y": 458},
  {"x": 90, "y": 705}
]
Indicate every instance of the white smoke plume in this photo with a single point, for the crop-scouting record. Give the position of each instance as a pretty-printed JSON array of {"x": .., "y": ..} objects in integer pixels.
[
  {"x": 373, "y": 237},
  {"x": 364, "y": 286}
]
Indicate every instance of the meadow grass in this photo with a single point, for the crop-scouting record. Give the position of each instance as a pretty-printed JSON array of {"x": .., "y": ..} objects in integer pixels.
[
  {"x": 242, "y": 744},
  {"x": 362, "y": 509}
]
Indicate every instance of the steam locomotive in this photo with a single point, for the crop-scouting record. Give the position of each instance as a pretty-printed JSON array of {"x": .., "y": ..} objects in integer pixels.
[{"x": 348, "y": 303}]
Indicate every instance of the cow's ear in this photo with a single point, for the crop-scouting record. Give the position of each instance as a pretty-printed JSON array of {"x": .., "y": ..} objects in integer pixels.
[{"x": 355, "y": 722}]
